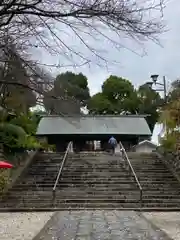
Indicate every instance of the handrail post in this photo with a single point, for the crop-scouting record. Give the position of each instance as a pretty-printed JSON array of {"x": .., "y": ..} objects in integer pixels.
[
  {"x": 141, "y": 198},
  {"x": 53, "y": 196}
]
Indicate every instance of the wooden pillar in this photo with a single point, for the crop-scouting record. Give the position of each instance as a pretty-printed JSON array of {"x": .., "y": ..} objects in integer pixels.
[
  {"x": 104, "y": 145},
  {"x": 61, "y": 146}
]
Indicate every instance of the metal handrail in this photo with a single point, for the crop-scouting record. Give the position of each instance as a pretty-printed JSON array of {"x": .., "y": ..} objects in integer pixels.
[
  {"x": 132, "y": 170},
  {"x": 60, "y": 169}
]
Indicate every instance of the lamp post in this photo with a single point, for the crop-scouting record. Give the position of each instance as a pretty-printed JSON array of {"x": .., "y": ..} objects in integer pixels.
[
  {"x": 163, "y": 84},
  {"x": 162, "y": 89}
]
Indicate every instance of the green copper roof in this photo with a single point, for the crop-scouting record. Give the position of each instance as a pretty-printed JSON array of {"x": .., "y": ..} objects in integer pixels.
[{"x": 121, "y": 124}]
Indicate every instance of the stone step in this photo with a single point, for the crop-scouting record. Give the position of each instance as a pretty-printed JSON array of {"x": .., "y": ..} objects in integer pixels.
[
  {"x": 116, "y": 169},
  {"x": 160, "y": 191},
  {"x": 94, "y": 164},
  {"x": 45, "y": 158},
  {"x": 99, "y": 181},
  {"x": 45, "y": 165},
  {"x": 55, "y": 209},
  {"x": 100, "y": 194},
  {"x": 64, "y": 194},
  {"x": 96, "y": 200},
  {"x": 155, "y": 169},
  {"x": 156, "y": 178},
  {"x": 100, "y": 186},
  {"x": 65, "y": 206},
  {"x": 42, "y": 173},
  {"x": 94, "y": 178},
  {"x": 47, "y": 161},
  {"x": 168, "y": 201},
  {"x": 120, "y": 187},
  {"x": 123, "y": 177},
  {"x": 47, "y": 179},
  {"x": 139, "y": 162},
  {"x": 78, "y": 200},
  {"x": 162, "y": 205},
  {"x": 17, "y": 186},
  {"x": 76, "y": 191},
  {"x": 91, "y": 198},
  {"x": 158, "y": 185},
  {"x": 73, "y": 175},
  {"x": 98, "y": 169},
  {"x": 87, "y": 187},
  {"x": 80, "y": 182},
  {"x": 52, "y": 177},
  {"x": 161, "y": 196},
  {"x": 77, "y": 184},
  {"x": 44, "y": 155},
  {"x": 149, "y": 166}
]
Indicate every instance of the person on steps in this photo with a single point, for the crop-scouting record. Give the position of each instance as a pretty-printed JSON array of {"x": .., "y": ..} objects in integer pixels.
[{"x": 113, "y": 143}]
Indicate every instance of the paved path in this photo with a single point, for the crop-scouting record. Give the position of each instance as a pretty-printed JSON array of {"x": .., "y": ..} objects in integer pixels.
[
  {"x": 22, "y": 226},
  {"x": 97, "y": 225}
]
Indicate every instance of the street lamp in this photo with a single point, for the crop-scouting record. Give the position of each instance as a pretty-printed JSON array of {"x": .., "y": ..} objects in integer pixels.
[
  {"x": 162, "y": 89},
  {"x": 155, "y": 81},
  {"x": 154, "y": 78}
]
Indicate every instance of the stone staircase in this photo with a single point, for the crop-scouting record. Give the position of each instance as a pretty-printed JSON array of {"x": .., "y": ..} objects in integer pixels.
[
  {"x": 96, "y": 181},
  {"x": 93, "y": 181},
  {"x": 161, "y": 190}
]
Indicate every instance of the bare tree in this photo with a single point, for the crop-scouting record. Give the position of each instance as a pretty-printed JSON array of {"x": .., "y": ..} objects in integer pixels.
[
  {"x": 23, "y": 84},
  {"x": 55, "y": 26},
  {"x": 49, "y": 24}
]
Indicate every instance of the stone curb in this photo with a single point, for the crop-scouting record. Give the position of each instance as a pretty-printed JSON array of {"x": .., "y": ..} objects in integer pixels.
[
  {"x": 169, "y": 166},
  {"x": 46, "y": 226},
  {"x": 141, "y": 214},
  {"x": 19, "y": 173}
]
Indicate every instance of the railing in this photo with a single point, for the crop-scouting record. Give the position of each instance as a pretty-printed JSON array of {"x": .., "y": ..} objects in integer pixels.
[
  {"x": 125, "y": 157},
  {"x": 60, "y": 170}
]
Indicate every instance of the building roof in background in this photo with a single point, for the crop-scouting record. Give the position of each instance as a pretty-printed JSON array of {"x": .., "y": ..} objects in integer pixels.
[
  {"x": 147, "y": 142},
  {"x": 94, "y": 125}
]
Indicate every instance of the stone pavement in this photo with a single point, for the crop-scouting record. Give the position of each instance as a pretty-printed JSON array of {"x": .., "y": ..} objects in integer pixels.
[
  {"x": 169, "y": 222},
  {"x": 97, "y": 225}
]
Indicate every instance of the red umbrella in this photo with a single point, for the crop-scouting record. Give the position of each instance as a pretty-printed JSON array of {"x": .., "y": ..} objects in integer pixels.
[{"x": 5, "y": 165}]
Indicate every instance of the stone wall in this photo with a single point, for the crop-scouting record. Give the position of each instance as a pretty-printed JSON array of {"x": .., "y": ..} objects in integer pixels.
[
  {"x": 172, "y": 160},
  {"x": 8, "y": 177}
]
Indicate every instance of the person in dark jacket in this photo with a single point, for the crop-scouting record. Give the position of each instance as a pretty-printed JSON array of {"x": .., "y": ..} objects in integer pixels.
[{"x": 112, "y": 143}]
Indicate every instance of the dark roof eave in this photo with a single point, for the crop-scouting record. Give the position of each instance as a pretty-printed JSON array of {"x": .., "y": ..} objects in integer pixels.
[
  {"x": 91, "y": 115},
  {"x": 48, "y": 134}
]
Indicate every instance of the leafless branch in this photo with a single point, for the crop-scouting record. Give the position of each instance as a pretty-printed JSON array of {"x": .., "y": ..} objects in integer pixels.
[
  {"x": 51, "y": 24},
  {"x": 76, "y": 32}
]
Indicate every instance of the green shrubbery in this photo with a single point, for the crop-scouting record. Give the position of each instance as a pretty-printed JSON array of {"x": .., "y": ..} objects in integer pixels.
[
  {"x": 169, "y": 143},
  {"x": 170, "y": 117},
  {"x": 17, "y": 134}
]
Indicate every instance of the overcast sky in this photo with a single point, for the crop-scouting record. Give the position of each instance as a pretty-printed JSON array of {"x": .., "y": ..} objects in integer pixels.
[
  {"x": 162, "y": 60},
  {"x": 159, "y": 60}
]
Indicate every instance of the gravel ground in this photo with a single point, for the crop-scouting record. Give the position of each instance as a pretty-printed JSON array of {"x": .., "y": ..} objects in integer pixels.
[
  {"x": 22, "y": 226},
  {"x": 168, "y": 222}
]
